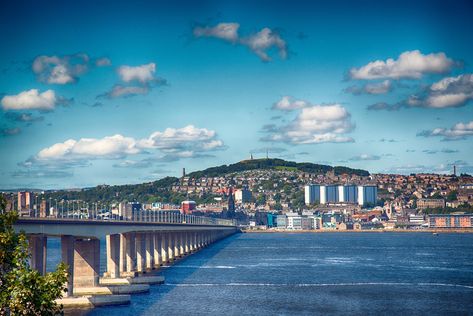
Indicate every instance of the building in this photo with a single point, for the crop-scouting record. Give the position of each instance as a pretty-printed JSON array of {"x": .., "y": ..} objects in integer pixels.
[
  {"x": 44, "y": 208},
  {"x": 416, "y": 219},
  {"x": 430, "y": 203},
  {"x": 451, "y": 221},
  {"x": 281, "y": 221},
  {"x": 348, "y": 193},
  {"x": 307, "y": 223},
  {"x": 272, "y": 219},
  {"x": 188, "y": 206},
  {"x": 25, "y": 201},
  {"x": 312, "y": 194},
  {"x": 322, "y": 194},
  {"x": 294, "y": 221},
  {"x": 128, "y": 210},
  {"x": 242, "y": 196},
  {"x": 367, "y": 195}
]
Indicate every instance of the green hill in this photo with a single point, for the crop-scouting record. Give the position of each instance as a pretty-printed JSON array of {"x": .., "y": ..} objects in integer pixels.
[{"x": 274, "y": 164}]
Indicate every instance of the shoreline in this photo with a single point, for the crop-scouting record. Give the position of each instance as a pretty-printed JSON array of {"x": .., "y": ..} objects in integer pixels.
[{"x": 322, "y": 231}]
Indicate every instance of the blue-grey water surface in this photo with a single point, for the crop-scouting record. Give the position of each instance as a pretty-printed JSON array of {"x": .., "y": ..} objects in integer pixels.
[{"x": 309, "y": 274}]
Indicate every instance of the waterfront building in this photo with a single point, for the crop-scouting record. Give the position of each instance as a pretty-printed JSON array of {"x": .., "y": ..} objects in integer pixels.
[
  {"x": 271, "y": 219},
  {"x": 306, "y": 223},
  {"x": 331, "y": 194},
  {"x": 294, "y": 221},
  {"x": 281, "y": 222},
  {"x": 430, "y": 203},
  {"x": 416, "y": 219},
  {"x": 451, "y": 221}
]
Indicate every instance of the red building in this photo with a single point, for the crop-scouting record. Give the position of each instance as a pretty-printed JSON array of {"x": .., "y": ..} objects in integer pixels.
[{"x": 187, "y": 207}]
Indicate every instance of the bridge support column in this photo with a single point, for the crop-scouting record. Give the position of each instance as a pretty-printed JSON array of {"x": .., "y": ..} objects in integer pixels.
[
  {"x": 114, "y": 266},
  {"x": 37, "y": 245},
  {"x": 157, "y": 249},
  {"x": 176, "y": 244},
  {"x": 170, "y": 244},
  {"x": 140, "y": 252},
  {"x": 182, "y": 242},
  {"x": 86, "y": 262},
  {"x": 130, "y": 253},
  {"x": 164, "y": 248},
  {"x": 149, "y": 245},
  {"x": 186, "y": 244},
  {"x": 67, "y": 256}
]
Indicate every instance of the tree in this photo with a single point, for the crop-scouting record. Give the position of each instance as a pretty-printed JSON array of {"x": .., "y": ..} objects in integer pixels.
[{"x": 23, "y": 291}]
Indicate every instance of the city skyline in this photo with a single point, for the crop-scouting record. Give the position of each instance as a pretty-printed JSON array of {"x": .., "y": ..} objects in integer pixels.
[{"x": 127, "y": 93}]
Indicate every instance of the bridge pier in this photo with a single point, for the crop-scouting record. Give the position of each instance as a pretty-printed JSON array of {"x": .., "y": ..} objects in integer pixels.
[
  {"x": 149, "y": 248},
  {"x": 130, "y": 254},
  {"x": 140, "y": 252},
  {"x": 37, "y": 245},
  {"x": 67, "y": 256},
  {"x": 114, "y": 262},
  {"x": 86, "y": 262},
  {"x": 157, "y": 256}
]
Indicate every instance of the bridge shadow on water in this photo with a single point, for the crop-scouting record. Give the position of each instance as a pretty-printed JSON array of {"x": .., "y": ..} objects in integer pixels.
[{"x": 175, "y": 274}]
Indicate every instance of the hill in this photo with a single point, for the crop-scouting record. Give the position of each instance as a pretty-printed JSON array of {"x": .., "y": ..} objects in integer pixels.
[
  {"x": 161, "y": 190},
  {"x": 275, "y": 164}
]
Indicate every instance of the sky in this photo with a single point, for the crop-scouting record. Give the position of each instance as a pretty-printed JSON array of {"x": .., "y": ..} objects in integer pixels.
[{"x": 98, "y": 92}]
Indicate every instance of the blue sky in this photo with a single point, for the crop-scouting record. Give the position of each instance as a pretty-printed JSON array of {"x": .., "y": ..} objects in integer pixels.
[{"x": 128, "y": 92}]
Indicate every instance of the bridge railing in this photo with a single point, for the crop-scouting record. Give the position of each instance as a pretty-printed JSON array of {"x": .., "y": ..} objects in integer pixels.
[{"x": 141, "y": 216}]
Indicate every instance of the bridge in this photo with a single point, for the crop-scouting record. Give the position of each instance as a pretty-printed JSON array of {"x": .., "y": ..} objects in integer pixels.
[{"x": 135, "y": 247}]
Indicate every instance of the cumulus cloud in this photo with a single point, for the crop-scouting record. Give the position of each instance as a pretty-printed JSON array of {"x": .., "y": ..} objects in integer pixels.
[
  {"x": 142, "y": 74},
  {"x": 269, "y": 150},
  {"x": 314, "y": 124},
  {"x": 382, "y": 87},
  {"x": 260, "y": 42},
  {"x": 448, "y": 92},
  {"x": 459, "y": 131},
  {"x": 288, "y": 103},
  {"x": 224, "y": 31},
  {"x": 186, "y": 142},
  {"x": 60, "y": 69},
  {"x": 30, "y": 100},
  {"x": 410, "y": 64},
  {"x": 137, "y": 80}
]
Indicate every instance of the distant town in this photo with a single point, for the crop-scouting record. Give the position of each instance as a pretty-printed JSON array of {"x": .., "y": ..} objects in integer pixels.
[{"x": 278, "y": 197}]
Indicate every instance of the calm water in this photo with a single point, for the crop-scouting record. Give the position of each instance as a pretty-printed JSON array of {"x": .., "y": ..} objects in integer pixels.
[{"x": 307, "y": 274}]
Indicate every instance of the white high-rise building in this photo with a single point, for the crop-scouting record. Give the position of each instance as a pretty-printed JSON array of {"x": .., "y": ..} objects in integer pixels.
[{"x": 367, "y": 194}]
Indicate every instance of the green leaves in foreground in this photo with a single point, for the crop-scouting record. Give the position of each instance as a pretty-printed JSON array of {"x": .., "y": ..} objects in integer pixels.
[{"x": 24, "y": 291}]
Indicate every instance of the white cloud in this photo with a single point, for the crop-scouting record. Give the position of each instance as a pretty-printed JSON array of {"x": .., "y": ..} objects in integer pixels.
[
  {"x": 30, "y": 100},
  {"x": 288, "y": 103},
  {"x": 60, "y": 69},
  {"x": 109, "y": 147},
  {"x": 459, "y": 131},
  {"x": 315, "y": 124},
  {"x": 142, "y": 74},
  {"x": 186, "y": 142},
  {"x": 264, "y": 40},
  {"x": 410, "y": 64},
  {"x": 450, "y": 92},
  {"x": 188, "y": 138},
  {"x": 225, "y": 31},
  {"x": 260, "y": 42}
]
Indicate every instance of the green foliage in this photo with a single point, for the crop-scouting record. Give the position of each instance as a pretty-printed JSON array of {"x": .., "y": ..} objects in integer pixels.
[
  {"x": 465, "y": 207},
  {"x": 23, "y": 291},
  {"x": 452, "y": 196}
]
